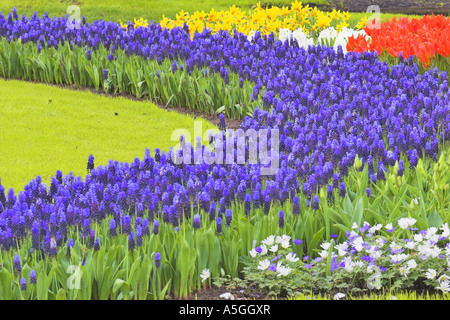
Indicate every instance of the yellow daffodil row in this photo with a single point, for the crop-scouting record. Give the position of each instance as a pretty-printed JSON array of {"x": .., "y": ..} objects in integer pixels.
[
  {"x": 266, "y": 20},
  {"x": 296, "y": 16}
]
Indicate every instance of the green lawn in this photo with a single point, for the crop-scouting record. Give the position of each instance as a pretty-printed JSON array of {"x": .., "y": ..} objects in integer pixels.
[
  {"x": 45, "y": 128},
  {"x": 114, "y": 10}
]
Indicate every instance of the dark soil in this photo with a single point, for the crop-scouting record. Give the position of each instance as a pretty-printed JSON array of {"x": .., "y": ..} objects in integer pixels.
[{"x": 418, "y": 7}]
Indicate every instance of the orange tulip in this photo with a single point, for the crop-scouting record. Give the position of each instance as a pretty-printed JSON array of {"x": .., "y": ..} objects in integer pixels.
[{"x": 424, "y": 38}]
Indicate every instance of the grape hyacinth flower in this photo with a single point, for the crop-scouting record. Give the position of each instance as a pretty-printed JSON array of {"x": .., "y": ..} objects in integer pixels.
[
  {"x": 97, "y": 244},
  {"x": 91, "y": 238},
  {"x": 145, "y": 228},
  {"x": 23, "y": 284},
  {"x": 248, "y": 203},
  {"x": 219, "y": 225},
  {"x": 90, "y": 163},
  {"x": 266, "y": 205},
  {"x": 131, "y": 241},
  {"x": 228, "y": 217},
  {"x": 368, "y": 192},
  {"x": 296, "y": 206},
  {"x": 196, "y": 221},
  {"x": 126, "y": 224},
  {"x": 330, "y": 198},
  {"x": 342, "y": 190},
  {"x": 400, "y": 168},
  {"x": 212, "y": 211},
  {"x": 222, "y": 126},
  {"x": 17, "y": 265},
  {"x": 35, "y": 240},
  {"x": 139, "y": 240},
  {"x": 315, "y": 204},
  {"x": 155, "y": 227},
  {"x": 157, "y": 259},
  {"x": 33, "y": 277},
  {"x": 281, "y": 219},
  {"x": 112, "y": 228},
  {"x": 70, "y": 244}
]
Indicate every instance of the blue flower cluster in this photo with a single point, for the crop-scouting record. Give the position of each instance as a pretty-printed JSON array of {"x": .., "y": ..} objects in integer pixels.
[{"x": 327, "y": 106}]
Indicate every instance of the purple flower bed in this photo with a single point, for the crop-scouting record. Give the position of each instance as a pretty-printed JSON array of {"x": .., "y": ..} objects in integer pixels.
[{"x": 328, "y": 108}]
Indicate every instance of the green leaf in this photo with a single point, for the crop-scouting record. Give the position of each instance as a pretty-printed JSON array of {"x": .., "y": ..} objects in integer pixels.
[
  {"x": 42, "y": 286},
  {"x": 61, "y": 295},
  {"x": 434, "y": 219},
  {"x": 358, "y": 212},
  {"x": 134, "y": 274},
  {"x": 318, "y": 237},
  {"x": 121, "y": 285},
  {"x": 5, "y": 285}
]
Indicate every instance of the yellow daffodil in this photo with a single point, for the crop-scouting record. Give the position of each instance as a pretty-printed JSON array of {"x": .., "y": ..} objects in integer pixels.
[
  {"x": 123, "y": 25},
  {"x": 258, "y": 7},
  {"x": 323, "y": 21},
  {"x": 212, "y": 16},
  {"x": 346, "y": 16},
  {"x": 285, "y": 11},
  {"x": 362, "y": 23},
  {"x": 199, "y": 16},
  {"x": 296, "y": 5},
  {"x": 266, "y": 20},
  {"x": 233, "y": 10},
  {"x": 164, "y": 22},
  {"x": 140, "y": 23},
  {"x": 341, "y": 25}
]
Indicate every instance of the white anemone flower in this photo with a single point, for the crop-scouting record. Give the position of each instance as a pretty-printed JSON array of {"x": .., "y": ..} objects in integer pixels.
[
  {"x": 443, "y": 277},
  {"x": 375, "y": 228},
  {"x": 445, "y": 230},
  {"x": 410, "y": 245},
  {"x": 227, "y": 296},
  {"x": 342, "y": 248},
  {"x": 283, "y": 271},
  {"x": 285, "y": 244},
  {"x": 253, "y": 253},
  {"x": 274, "y": 248},
  {"x": 418, "y": 237},
  {"x": 263, "y": 265},
  {"x": 412, "y": 263},
  {"x": 403, "y": 223},
  {"x": 399, "y": 257},
  {"x": 404, "y": 271},
  {"x": 444, "y": 286},
  {"x": 205, "y": 274},
  {"x": 338, "y": 296},
  {"x": 291, "y": 256},
  {"x": 323, "y": 254},
  {"x": 358, "y": 244},
  {"x": 263, "y": 249},
  {"x": 431, "y": 232},
  {"x": 431, "y": 274},
  {"x": 269, "y": 240}
]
